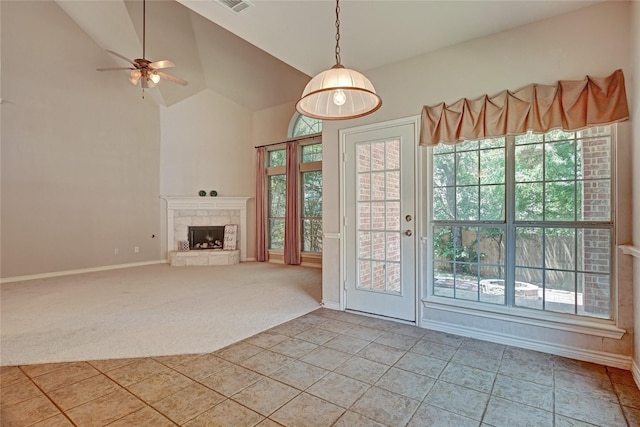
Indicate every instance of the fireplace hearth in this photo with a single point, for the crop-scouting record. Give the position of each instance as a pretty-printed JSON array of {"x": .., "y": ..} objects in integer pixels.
[{"x": 206, "y": 237}]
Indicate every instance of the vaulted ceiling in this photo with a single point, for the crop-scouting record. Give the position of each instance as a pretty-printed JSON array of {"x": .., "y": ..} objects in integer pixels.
[{"x": 264, "y": 55}]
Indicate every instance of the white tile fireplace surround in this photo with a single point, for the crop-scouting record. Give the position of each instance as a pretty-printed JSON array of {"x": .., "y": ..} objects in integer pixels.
[{"x": 183, "y": 212}]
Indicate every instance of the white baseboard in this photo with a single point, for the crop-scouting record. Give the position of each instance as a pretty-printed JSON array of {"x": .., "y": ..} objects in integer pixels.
[
  {"x": 79, "y": 271},
  {"x": 331, "y": 305},
  {"x": 250, "y": 259},
  {"x": 599, "y": 357},
  {"x": 635, "y": 370}
]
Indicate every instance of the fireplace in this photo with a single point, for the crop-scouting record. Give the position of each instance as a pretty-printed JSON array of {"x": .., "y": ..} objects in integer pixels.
[{"x": 206, "y": 237}]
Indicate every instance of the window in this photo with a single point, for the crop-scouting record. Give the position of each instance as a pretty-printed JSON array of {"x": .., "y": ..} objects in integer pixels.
[
  {"x": 311, "y": 181},
  {"x": 525, "y": 222},
  {"x": 277, "y": 187},
  {"x": 310, "y": 191}
]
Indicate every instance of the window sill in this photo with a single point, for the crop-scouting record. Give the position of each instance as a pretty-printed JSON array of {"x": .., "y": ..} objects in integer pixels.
[{"x": 594, "y": 327}]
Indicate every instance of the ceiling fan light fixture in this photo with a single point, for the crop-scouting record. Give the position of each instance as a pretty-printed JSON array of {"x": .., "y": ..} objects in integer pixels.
[
  {"x": 338, "y": 93},
  {"x": 155, "y": 78}
]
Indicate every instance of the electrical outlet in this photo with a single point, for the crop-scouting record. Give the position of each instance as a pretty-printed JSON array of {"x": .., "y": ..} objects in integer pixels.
[
  {"x": 136, "y": 249},
  {"x": 116, "y": 251}
]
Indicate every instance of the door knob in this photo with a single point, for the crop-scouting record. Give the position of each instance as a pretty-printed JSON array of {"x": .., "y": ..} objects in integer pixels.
[
  {"x": 408, "y": 218},
  {"x": 408, "y": 233}
]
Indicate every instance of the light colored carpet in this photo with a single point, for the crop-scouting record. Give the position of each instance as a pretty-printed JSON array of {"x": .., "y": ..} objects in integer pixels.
[{"x": 149, "y": 311}]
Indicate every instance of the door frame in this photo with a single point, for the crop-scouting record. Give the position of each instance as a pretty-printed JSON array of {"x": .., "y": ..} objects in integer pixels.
[{"x": 419, "y": 208}]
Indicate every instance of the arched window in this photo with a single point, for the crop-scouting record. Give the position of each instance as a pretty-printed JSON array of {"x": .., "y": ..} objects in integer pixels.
[{"x": 302, "y": 125}]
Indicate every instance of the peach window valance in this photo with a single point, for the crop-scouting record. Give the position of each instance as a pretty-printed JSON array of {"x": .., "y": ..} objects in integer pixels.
[{"x": 569, "y": 105}]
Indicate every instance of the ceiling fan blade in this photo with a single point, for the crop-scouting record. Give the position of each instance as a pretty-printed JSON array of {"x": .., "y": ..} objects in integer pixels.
[
  {"x": 115, "y": 68},
  {"x": 121, "y": 56},
  {"x": 165, "y": 63},
  {"x": 172, "y": 78}
]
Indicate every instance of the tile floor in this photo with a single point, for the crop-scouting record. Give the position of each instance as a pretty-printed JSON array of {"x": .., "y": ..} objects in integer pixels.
[{"x": 326, "y": 368}]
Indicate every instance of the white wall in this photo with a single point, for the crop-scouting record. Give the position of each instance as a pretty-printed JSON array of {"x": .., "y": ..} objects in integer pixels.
[
  {"x": 207, "y": 145},
  {"x": 80, "y": 150},
  {"x": 591, "y": 41}
]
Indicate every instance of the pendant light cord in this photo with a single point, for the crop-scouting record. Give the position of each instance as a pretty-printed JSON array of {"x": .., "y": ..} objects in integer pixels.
[
  {"x": 337, "y": 32},
  {"x": 144, "y": 29}
]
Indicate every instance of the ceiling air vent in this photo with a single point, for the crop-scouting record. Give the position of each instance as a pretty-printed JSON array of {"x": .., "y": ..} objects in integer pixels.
[{"x": 236, "y": 5}]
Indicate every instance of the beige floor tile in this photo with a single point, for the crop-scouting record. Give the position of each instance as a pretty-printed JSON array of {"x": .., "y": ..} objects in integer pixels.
[
  {"x": 268, "y": 423},
  {"x": 231, "y": 380},
  {"x": 67, "y": 375},
  {"x": 306, "y": 410},
  {"x": 372, "y": 322},
  {"x": 326, "y": 358},
  {"x": 428, "y": 415},
  {"x": 362, "y": 369},
  {"x": 336, "y": 326},
  {"x": 266, "y": 339},
  {"x": 580, "y": 367},
  {"x": 505, "y": 413},
  {"x": 338, "y": 389},
  {"x": 27, "y": 412},
  {"x": 265, "y": 396},
  {"x": 385, "y": 407},
  {"x": 56, "y": 421},
  {"x": 574, "y": 404},
  {"x": 423, "y": 365},
  {"x": 343, "y": 316},
  {"x": 266, "y": 362},
  {"x": 485, "y": 347},
  {"x": 632, "y": 415},
  {"x": 159, "y": 386},
  {"x": 408, "y": 330},
  {"x": 363, "y": 332},
  {"x": 176, "y": 360},
  {"x": 18, "y": 391},
  {"x": 203, "y": 366},
  {"x": 10, "y": 374},
  {"x": 137, "y": 371},
  {"x": 105, "y": 409},
  {"x": 226, "y": 414},
  {"x": 629, "y": 395},
  {"x": 467, "y": 376},
  {"x": 443, "y": 338},
  {"x": 41, "y": 369},
  {"x": 408, "y": 384},
  {"x": 294, "y": 348},
  {"x": 381, "y": 353},
  {"x": 353, "y": 419},
  {"x": 525, "y": 392},
  {"x": 110, "y": 364},
  {"x": 316, "y": 335},
  {"x": 433, "y": 349},
  {"x": 562, "y": 421},
  {"x": 291, "y": 328},
  {"x": 238, "y": 352},
  {"x": 399, "y": 341},
  {"x": 476, "y": 359},
  {"x": 600, "y": 387},
  {"x": 300, "y": 375},
  {"x": 621, "y": 376},
  {"x": 528, "y": 370},
  {"x": 346, "y": 344},
  {"x": 188, "y": 403},
  {"x": 458, "y": 399},
  {"x": 83, "y": 391},
  {"x": 144, "y": 417}
]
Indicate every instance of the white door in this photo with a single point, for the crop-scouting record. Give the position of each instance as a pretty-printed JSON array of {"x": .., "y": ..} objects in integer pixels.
[{"x": 379, "y": 210}]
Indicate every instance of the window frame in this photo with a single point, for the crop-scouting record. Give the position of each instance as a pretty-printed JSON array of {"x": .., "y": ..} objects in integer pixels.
[{"x": 511, "y": 312}]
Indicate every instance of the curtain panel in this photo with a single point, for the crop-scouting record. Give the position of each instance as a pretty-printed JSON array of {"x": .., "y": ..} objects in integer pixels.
[
  {"x": 262, "y": 254},
  {"x": 569, "y": 105},
  {"x": 292, "y": 213}
]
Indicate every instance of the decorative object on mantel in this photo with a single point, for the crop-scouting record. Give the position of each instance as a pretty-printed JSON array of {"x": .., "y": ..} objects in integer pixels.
[
  {"x": 213, "y": 193},
  {"x": 184, "y": 245},
  {"x": 230, "y": 237},
  {"x": 202, "y": 193}
]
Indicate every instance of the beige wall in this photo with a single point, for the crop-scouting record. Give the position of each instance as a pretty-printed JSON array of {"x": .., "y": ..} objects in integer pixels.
[
  {"x": 593, "y": 41},
  {"x": 635, "y": 121},
  {"x": 80, "y": 150},
  {"x": 206, "y": 145}
]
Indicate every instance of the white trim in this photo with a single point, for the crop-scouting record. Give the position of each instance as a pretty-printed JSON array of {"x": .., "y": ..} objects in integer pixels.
[
  {"x": 331, "y": 235},
  {"x": 578, "y": 325},
  {"x": 599, "y": 357},
  {"x": 635, "y": 370},
  {"x": 79, "y": 271},
  {"x": 331, "y": 305},
  {"x": 630, "y": 250}
]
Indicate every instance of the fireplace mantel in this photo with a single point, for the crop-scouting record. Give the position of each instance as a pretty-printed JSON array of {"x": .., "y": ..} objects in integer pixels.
[{"x": 178, "y": 203}]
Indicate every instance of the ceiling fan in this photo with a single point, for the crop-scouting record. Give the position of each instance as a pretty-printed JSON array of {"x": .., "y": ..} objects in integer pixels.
[{"x": 143, "y": 70}]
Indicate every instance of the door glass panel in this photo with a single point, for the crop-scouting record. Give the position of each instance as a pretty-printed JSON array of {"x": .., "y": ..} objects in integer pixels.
[{"x": 379, "y": 216}]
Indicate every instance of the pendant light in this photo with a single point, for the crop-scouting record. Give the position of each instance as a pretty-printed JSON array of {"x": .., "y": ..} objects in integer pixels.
[{"x": 338, "y": 93}]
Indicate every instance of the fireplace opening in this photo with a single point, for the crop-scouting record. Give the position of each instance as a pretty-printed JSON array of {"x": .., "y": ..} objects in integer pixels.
[{"x": 210, "y": 237}]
